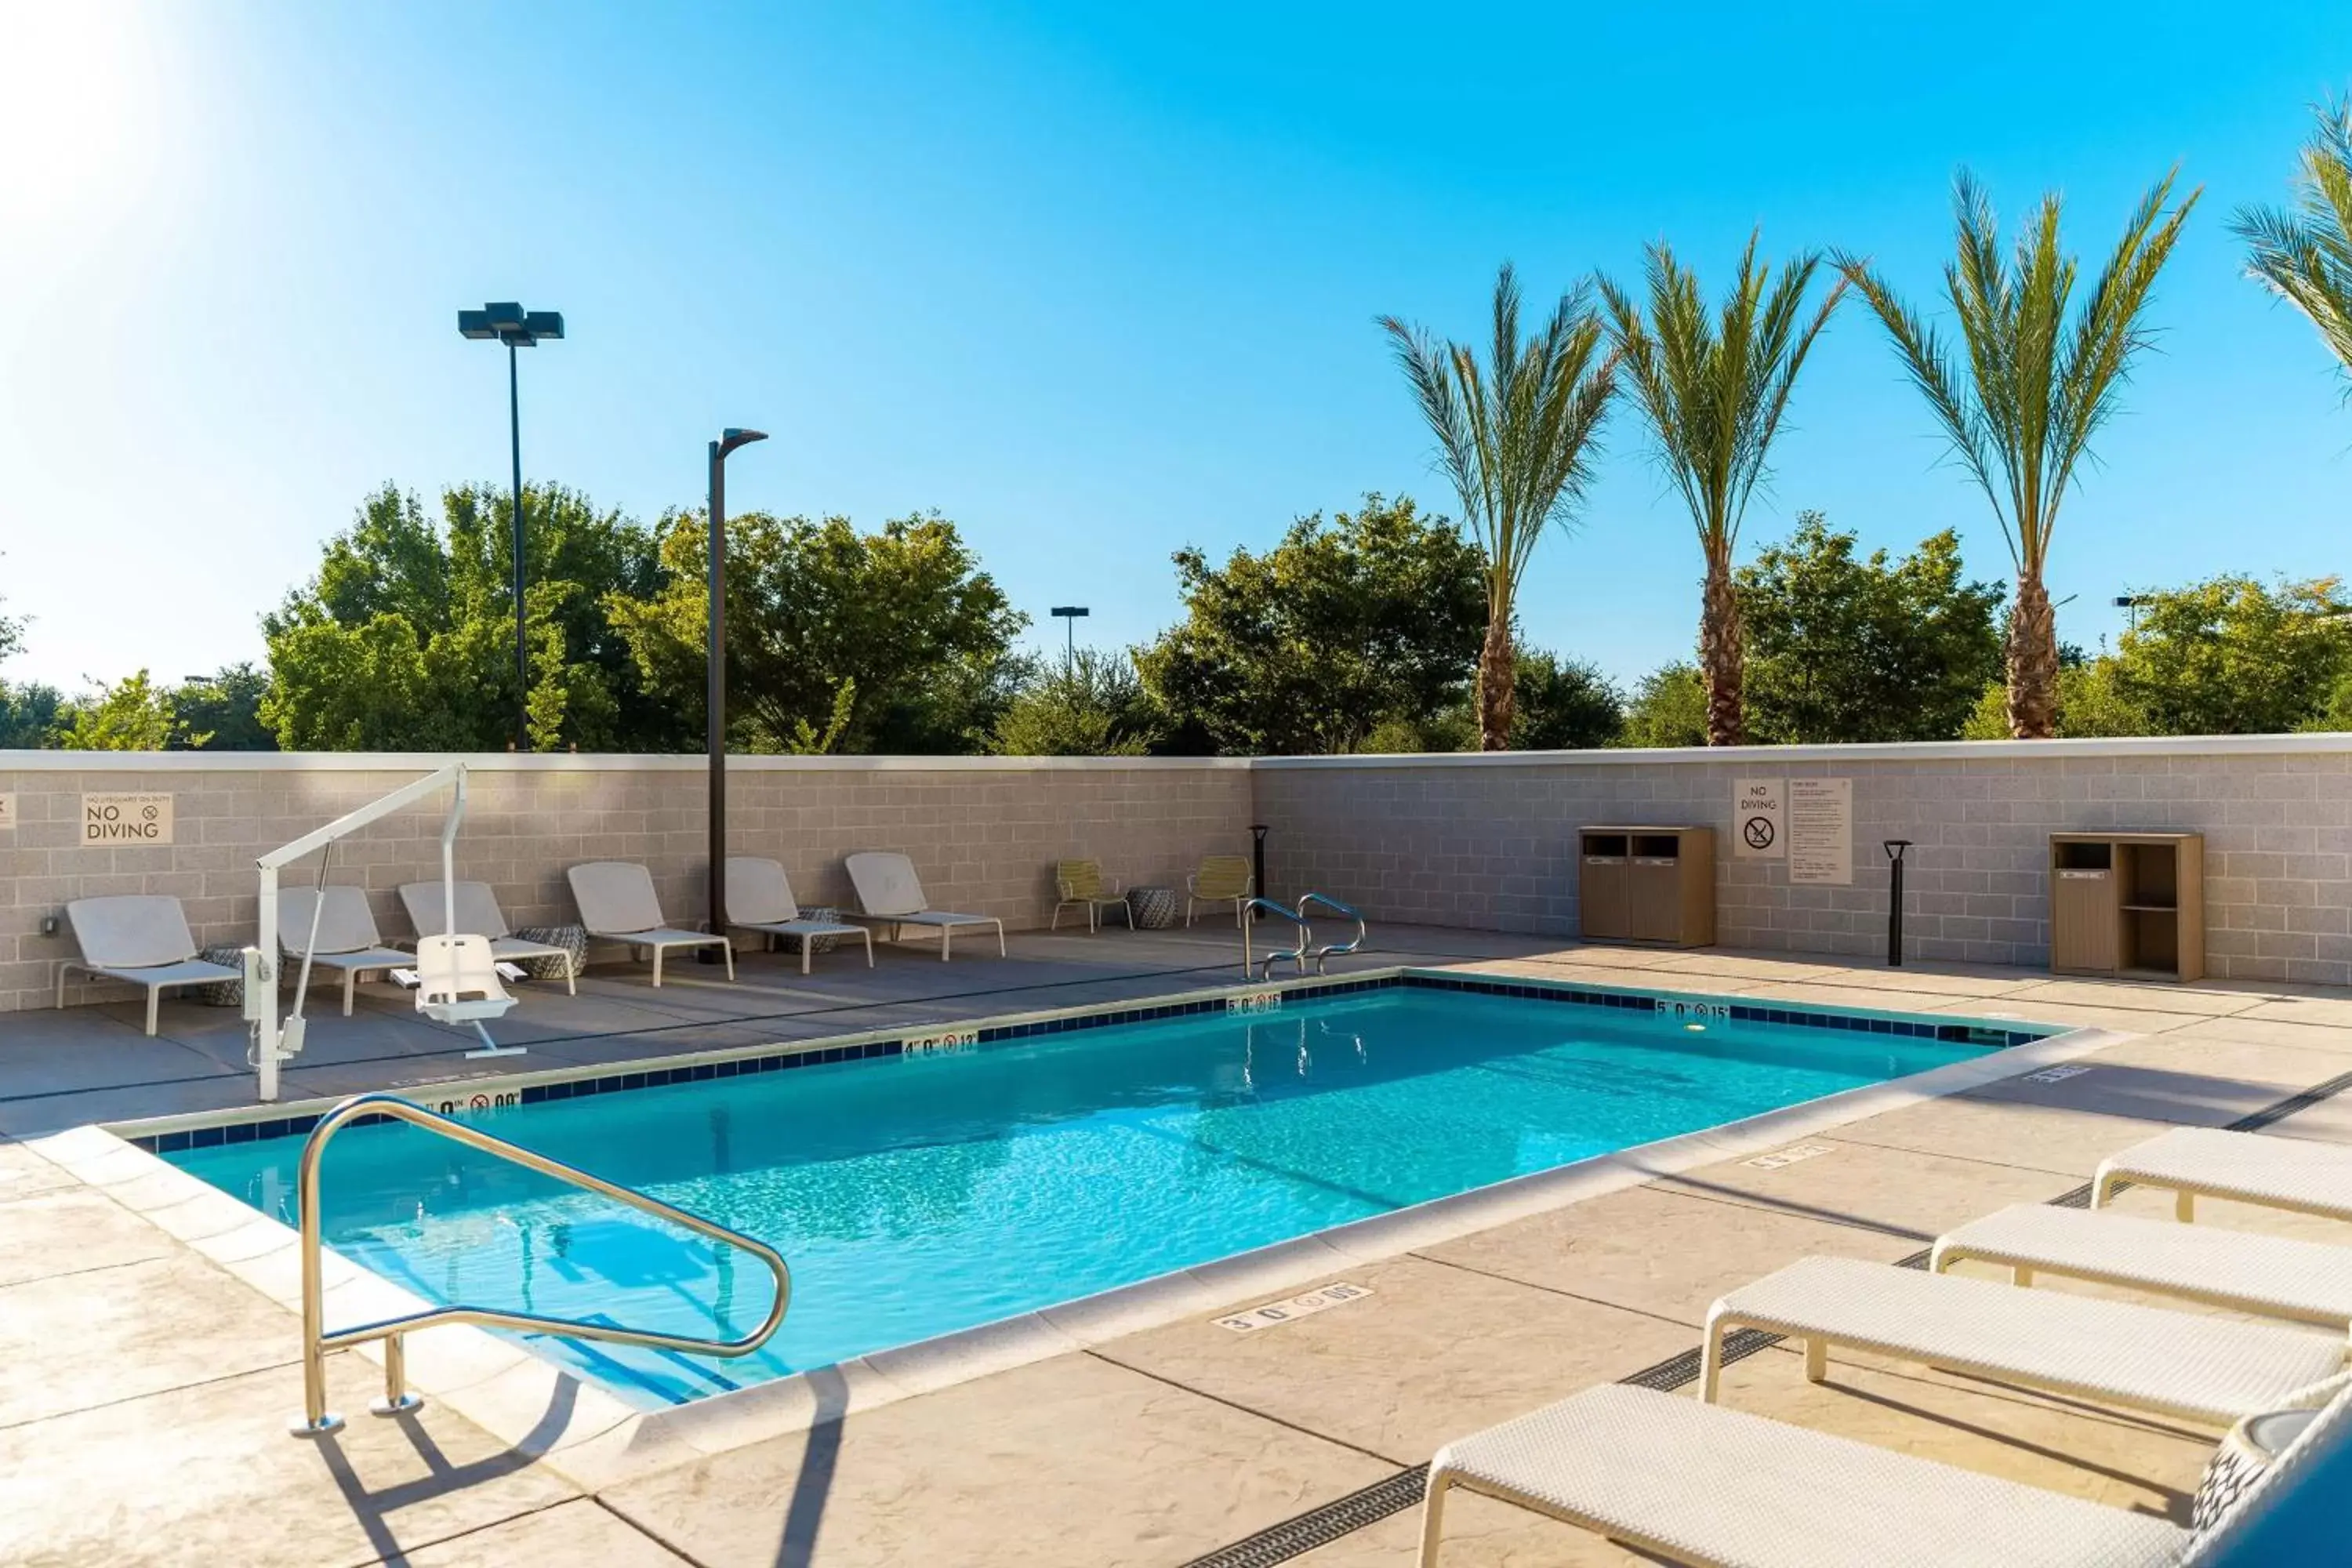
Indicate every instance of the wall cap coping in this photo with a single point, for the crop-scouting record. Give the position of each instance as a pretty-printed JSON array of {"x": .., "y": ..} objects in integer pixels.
[
  {"x": 1889, "y": 752},
  {"x": 58, "y": 761},
  {"x": 55, "y": 761}
]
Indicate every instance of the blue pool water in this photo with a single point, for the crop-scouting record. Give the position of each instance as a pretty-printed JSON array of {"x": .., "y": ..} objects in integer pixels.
[{"x": 914, "y": 1195}]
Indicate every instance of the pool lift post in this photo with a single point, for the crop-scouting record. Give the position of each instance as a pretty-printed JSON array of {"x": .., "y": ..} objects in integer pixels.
[{"x": 457, "y": 976}]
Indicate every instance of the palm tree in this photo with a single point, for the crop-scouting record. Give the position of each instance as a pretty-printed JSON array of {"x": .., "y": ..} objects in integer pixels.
[
  {"x": 1715, "y": 390},
  {"x": 2038, "y": 384},
  {"x": 1517, "y": 439},
  {"x": 2304, "y": 256}
]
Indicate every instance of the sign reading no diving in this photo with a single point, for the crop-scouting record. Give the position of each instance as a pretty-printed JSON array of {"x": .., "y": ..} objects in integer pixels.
[
  {"x": 125, "y": 819},
  {"x": 1760, "y": 819}
]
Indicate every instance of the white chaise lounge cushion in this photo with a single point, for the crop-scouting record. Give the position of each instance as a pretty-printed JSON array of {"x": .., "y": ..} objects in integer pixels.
[
  {"x": 2203, "y": 1368},
  {"x": 346, "y": 924},
  {"x": 1698, "y": 1483},
  {"x": 2274, "y": 1275},
  {"x": 133, "y": 930},
  {"x": 759, "y": 893},
  {"x": 616, "y": 898},
  {"x": 2282, "y": 1173},
  {"x": 477, "y": 909},
  {"x": 886, "y": 883}
]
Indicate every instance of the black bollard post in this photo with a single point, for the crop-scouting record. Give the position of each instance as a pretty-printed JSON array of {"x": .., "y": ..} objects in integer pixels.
[
  {"x": 1895, "y": 848},
  {"x": 1258, "y": 860}
]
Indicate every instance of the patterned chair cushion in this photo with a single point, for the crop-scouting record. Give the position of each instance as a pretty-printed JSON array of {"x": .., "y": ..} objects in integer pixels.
[{"x": 572, "y": 940}]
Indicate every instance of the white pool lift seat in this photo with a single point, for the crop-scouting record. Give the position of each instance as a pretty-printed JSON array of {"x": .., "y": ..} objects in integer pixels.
[
  {"x": 457, "y": 982},
  {"x": 436, "y": 908}
]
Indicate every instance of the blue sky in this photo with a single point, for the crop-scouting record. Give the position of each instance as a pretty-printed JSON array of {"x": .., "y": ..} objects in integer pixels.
[{"x": 1095, "y": 281}]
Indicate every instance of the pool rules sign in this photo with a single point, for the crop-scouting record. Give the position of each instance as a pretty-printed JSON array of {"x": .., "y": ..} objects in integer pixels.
[
  {"x": 1809, "y": 822},
  {"x": 131, "y": 820}
]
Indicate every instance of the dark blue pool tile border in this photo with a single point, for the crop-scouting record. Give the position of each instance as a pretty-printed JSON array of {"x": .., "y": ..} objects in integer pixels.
[{"x": 1002, "y": 1034}]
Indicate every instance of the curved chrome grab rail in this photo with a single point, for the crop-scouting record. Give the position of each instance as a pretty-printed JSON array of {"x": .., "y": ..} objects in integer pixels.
[
  {"x": 317, "y": 1342},
  {"x": 1334, "y": 905},
  {"x": 1297, "y": 955}
]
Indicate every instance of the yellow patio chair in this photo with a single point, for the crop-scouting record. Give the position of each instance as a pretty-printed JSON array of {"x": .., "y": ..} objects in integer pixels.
[
  {"x": 1220, "y": 878},
  {"x": 1080, "y": 882}
]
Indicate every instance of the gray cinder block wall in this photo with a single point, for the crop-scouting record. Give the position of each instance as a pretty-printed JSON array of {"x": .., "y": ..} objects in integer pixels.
[
  {"x": 983, "y": 832},
  {"x": 1490, "y": 841},
  {"x": 1469, "y": 841}
]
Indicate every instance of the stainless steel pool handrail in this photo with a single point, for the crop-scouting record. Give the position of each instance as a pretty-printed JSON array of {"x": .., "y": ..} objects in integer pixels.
[
  {"x": 317, "y": 1342},
  {"x": 1334, "y": 949},
  {"x": 1297, "y": 955}
]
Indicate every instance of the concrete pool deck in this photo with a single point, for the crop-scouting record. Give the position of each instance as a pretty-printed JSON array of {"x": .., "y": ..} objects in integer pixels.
[{"x": 146, "y": 1384}]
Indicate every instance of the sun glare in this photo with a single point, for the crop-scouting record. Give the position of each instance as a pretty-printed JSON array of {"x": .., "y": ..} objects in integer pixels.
[{"x": 79, "y": 111}]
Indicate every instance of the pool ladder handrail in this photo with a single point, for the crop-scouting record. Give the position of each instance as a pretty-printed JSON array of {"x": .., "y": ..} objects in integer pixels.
[
  {"x": 1337, "y": 949},
  {"x": 397, "y": 1400},
  {"x": 1297, "y": 955},
  {"x": 1306, "y": 949}
]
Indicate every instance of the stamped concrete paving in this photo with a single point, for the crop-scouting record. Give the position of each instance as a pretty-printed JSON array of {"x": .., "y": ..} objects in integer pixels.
[{"x": 143, "y": 1389}]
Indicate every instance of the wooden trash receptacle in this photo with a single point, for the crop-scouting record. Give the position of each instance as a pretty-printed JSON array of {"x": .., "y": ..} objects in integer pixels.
[
  {"x": 2130, "y": 904},
  {"x": 1647, "y": 884}
]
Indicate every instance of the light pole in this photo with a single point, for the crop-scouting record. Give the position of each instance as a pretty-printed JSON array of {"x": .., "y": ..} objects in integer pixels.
[
  {"x": 715, "y": 698},
  {"x": 511, "y": 324},
  {"x": 1069, "y": 615}
]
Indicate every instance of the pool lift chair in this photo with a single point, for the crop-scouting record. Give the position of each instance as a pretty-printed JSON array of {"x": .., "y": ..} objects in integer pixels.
[{"x": 458, "y": 979}]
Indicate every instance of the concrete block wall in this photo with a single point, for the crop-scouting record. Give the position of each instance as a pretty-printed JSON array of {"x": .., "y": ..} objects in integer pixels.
[
  {"x": 1491, "y": 842},
  {"x": 983, "y": 832}
]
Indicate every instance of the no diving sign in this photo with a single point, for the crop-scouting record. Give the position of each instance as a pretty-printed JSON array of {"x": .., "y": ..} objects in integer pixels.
[
  {"x": 1760, "y": 819},
  {"x": 125, "y": 819}
]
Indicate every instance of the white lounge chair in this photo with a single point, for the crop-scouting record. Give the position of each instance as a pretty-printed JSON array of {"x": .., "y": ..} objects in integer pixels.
[
  {"x": 760, "y": 898},
  {"x": 2190, "y": 1365},
  {"x": 479, "y": 915},
  {"x": 1221, "y": 878},
  {"x": 2245, "y": 1167},
  {"x": 2267, "y": 1276},
  {"x": 347, "y": 937},
  {"x": 1699, "y": 1484},
  {"x": 617, "y": 902},
  {"x": 142, "y": 939},
  {"x": 889, "y": 892}
]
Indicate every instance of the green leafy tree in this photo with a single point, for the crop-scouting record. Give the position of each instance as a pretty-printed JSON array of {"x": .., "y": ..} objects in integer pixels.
[
  {"x": 1715, "y": 391},
  {"x": 2304, "y": 255},
  {"x": 1377, "y": 614},
  {"x": 1844, "y": 647},
  {"x": 29, "y": 717},
  {"x": 1517, "y": 438},
  {"x": 1669, "y": 707},
  {"x": 405, "y": 638},
  {"x": 222, "y": 712},
  {"x": 902, "y": 620},
  {"x": 2233, "y": 656},
  {"x": 1088, "y": 705},
  {"x": 132, "y": 715},
  {"x": 1557, "y": 705},
  {"x": 2041, "y": 378}
]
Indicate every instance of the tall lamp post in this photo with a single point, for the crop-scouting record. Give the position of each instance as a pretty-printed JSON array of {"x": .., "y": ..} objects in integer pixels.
[
  {"x": 715, "y": 698},
  {"x": 511, "y": 324},
  {"x": 1069, "y": 615}
]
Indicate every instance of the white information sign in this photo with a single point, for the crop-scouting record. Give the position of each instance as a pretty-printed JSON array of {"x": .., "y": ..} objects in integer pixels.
[
  {"x": 125, "y": 819},
  {"x": 1760, "y": 819},
  {"x": 1820, "y": 830},
  {"x": 8, "y": 813}
]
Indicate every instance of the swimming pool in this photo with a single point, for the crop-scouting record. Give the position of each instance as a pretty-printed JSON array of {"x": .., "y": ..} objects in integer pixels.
[{"x": 919, "y": 1192}]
